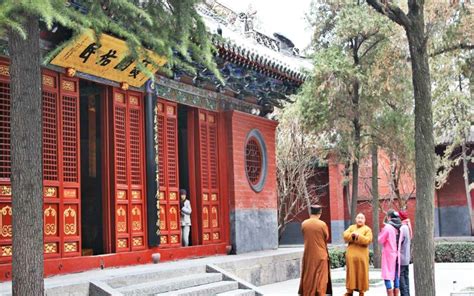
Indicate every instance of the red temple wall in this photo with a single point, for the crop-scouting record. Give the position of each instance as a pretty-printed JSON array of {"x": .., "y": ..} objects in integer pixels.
[{"x": 242, "y": 196}]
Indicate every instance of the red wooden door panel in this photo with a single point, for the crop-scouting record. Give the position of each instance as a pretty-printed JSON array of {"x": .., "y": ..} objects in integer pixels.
[
  {"x": 168, "y": 170},
  {"x": 128, "y": 194},
  {"x": 209, "y": 200},
  {"x": 61, "y": 171}
]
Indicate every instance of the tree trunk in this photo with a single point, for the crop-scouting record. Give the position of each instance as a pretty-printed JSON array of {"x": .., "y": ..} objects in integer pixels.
[
  {"x": 355, "y": 163},
  {"x": 375, "y": 205},
  {"x": 466, "y": 183},
  {"x": 26, "y": 160},
  {"x": 424, "y": 155}
]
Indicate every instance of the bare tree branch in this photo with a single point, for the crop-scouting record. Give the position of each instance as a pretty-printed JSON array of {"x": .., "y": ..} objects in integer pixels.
[
  {"x": 391, "y": 11},
  {"x": 374, "y": 44},
  {"x": 460, "y": 46}
]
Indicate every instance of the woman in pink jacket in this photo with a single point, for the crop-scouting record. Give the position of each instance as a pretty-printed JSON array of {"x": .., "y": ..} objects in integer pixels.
[{"x": 390, "y": 241}]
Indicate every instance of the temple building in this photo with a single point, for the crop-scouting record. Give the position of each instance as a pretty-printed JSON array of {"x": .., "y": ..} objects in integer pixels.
[{"x": 117, "y": 149}]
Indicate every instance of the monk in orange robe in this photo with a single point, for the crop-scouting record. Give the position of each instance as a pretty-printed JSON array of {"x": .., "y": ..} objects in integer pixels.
[
  {"x": 315, "y": 280},
  {"x": 359, "y": 237}
]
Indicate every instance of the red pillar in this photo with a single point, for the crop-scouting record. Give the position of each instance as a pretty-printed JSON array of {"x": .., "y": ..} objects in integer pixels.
[{"x": 336, "y": 199}]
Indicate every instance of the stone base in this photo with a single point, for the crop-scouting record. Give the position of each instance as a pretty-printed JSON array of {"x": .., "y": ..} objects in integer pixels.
[
  {"x": 253, "y": 230},
  {"x": 454, "y": 221}
]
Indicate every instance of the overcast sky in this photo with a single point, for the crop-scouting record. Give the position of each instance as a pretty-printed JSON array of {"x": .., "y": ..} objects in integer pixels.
[{"x": 282, "y": 16}]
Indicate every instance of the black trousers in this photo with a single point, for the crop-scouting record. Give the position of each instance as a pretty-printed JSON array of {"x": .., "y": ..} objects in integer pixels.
[{"x": 404, "y": 281}]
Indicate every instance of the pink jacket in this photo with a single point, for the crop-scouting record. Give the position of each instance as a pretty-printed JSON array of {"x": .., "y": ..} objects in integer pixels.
[{"x": 390, "y": 252}]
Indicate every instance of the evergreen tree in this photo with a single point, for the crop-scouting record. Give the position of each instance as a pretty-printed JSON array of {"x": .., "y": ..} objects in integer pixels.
[
  {"x": 170, "y": 28},
  {"x": 348, "y": 87}
]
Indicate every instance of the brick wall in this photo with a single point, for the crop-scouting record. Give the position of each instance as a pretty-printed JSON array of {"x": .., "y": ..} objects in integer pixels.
[
  {"x": 453, "y": 193},
  {"x": 365, "y": 207},
  {"x": 407, "y": 183},
  {"x": 242, "y": 196}
]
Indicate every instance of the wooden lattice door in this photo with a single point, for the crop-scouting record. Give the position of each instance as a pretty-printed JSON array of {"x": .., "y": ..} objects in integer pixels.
[
  {"x": 128, "y": 174},
  {"x": 61, "y": 171},
  {"x": 209, "y": 201},
  {"x": 168, "y": 174}
]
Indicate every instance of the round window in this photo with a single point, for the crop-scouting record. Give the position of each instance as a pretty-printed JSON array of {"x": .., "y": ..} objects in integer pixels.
[{"x": 255, "y": 160}]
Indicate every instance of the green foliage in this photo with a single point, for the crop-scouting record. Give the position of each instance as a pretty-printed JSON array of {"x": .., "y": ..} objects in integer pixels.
[
  {"x": 444, "y": 252},
  {"x": 165, "y": 27},
  {"x": 338, "y": 257},
  {"x": 454, "y": 252},
  {"x": 354, "y": 44}
]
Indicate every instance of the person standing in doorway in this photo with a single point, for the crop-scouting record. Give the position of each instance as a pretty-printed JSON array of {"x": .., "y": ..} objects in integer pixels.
[
  {"x": 315, "y": 278},
  {"x": 185, "y": 217},
  {"x": 406, "y": 235},
  {"x": 358, "y": 236},
  {"x": 390, "y": 240}
]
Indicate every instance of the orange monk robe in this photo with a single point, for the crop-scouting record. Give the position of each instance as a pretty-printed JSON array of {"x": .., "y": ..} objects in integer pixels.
[
  {"x": 315, "y": 265},
  {"x": 357, "y": 258}
]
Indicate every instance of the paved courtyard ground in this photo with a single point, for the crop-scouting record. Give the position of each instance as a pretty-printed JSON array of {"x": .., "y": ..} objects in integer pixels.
[{"x": 446, "y": 274}]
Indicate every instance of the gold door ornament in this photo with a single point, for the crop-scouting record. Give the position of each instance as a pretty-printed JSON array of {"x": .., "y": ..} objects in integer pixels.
[
  {"x": 121, "y": 194},
  {"x": 6, "y": 251},
  {"x": 4, "y": 70},
  {"x": 173, "y": 218},
  {"x": 162, "y": 218},
  {"x": 49, "y": 217},
  {"x": 68, "y": 85},
  {"x": 122, "y": 243},
  {"x": 214, "y": 217},
  {"x": 5, "y": 221},
  {"x": 205, "y": 217},
  {"x": 137, "y": 241},
  {"x": 70, "y": 247},
  {"x": 173, "y": 196},
  {"x": 50, "y": 248},
  {"x": 174, "y": 239},
  {"x": 121, "y": 220},
  {"x": 50, "y": 192},
  {"x": 136, "y": 195},
  {"x": 6, "y": 190},
  {"x": 163, "y": 239},
  {"x": 70, "y": 221},
  {"x": 136, "y": 219},
  {"x": 70, "y": 193}
]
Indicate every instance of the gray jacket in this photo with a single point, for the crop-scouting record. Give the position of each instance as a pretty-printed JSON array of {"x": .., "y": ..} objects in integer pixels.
[
  {"x": 186, "y": 213},
  {"x": 405, "y": 247}
]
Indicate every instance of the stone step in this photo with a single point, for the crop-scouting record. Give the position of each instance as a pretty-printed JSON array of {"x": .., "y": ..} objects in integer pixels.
[
  {"x": 158, "y": 275},
  {"x": 172, "y": 284},
  {"x": 239, "y": 292},
  {"x": 205, "y": 290}
]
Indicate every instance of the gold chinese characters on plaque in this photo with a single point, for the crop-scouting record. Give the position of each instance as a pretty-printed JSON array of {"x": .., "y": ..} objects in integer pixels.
[{"x": 108, "y": 59}]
